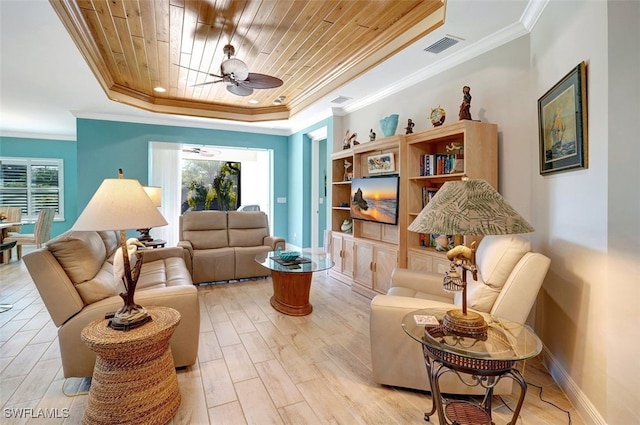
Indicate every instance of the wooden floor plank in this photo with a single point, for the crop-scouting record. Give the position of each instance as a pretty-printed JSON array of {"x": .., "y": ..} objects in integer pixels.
[{"x": 254, "y": 366}]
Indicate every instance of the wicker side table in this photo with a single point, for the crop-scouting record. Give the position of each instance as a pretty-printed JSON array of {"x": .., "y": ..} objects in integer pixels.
[{"x": 134, "y": 380}]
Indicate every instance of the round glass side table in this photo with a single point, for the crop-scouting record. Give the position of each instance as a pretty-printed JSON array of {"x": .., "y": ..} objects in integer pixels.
[{"x": 476, "y": 361}]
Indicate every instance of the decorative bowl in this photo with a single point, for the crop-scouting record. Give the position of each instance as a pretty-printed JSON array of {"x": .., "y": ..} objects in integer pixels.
[{"x": 289, "y": 255}]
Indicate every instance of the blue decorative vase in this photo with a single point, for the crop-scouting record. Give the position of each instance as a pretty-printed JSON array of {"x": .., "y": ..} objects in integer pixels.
[{"x": 389, "y": 125}]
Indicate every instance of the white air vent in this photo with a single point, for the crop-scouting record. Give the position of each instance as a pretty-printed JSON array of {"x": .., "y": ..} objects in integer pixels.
[
  {"x": 442, "y": 44},
  {"x": 340, "y": 99}
]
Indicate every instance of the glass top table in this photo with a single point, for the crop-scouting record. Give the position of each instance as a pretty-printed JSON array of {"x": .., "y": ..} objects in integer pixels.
[
  {"x": 487, "y": 359},
  {"x": 292, "y": 280},
  {"x": 307, "y": 262},
  {"x": 505, "y": 340}
]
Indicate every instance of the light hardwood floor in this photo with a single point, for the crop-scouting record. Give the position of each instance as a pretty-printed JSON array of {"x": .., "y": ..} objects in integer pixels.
[{"x": 255, "y": 366}]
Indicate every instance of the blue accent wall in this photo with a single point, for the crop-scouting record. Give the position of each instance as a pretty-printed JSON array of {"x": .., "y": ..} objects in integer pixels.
[
  {"x": 105, "y": 146},
  {"x": 299, "y": 196},
  {"x": 47, "y": 148}
]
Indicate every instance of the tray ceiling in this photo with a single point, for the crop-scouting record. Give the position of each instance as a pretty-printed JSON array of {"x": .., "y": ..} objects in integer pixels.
[{"x": 315, "y": 47}]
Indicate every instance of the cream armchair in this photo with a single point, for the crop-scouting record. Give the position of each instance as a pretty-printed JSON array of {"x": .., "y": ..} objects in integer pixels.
[{"x": 509, "y": 279}]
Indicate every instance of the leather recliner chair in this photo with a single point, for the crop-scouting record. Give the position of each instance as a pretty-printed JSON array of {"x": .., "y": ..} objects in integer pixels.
[{"x": 509, "y": 278}]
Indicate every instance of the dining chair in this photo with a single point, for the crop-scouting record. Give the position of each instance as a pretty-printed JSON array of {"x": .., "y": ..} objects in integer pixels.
[
  {"x": 13, "y": 215},
  {"x": 41, "y": 232}
]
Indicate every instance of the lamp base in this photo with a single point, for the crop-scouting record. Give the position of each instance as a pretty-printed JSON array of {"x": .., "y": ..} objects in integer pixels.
[
  {"x": 144, "y": 235},
  {"x": 127, "y": 319},
  {"x": 471, "y": 324}
]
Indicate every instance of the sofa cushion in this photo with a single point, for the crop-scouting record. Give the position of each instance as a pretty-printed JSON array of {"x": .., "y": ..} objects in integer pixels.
[
  {"x": 205, "y": 229},
  {"x": 101, "y": 286},
  {"x": 247, "y": 228},
  {"x": 169, "y": 271},
  {"x": 496, "y": 258},
  {"x": 111, "y": 239},
  {"x": 82, "y": 256}
]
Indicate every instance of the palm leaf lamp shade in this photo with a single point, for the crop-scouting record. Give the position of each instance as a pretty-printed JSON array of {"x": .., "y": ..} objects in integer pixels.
[
  {"x": 122, "y": 204},
  {"x": 467, "y": 207}
]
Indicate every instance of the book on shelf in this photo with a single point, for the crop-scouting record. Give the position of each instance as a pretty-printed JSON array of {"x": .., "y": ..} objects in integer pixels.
[
  {"x": 427, "y": 195},
  {"x": 440, "y": 163}
]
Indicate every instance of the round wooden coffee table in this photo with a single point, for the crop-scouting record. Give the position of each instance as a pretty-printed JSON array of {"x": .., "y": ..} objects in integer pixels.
[
  {"x": 134, "y": 379},
  {"x": 292, "y": 280}
]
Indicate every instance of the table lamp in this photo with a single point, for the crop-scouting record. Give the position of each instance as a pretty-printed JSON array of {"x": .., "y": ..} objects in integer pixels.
[
  {"x": 122, "y": 204},
  {"x": 467, "y": 207},
  {"x": 155, "y": 193}
]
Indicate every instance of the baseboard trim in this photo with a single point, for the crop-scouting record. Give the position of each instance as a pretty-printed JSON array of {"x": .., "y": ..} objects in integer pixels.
[{"x": 580, "y": 401}]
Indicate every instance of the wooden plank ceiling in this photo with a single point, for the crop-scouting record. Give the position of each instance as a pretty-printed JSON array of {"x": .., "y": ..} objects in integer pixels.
[{"x": 315, "y": 47}]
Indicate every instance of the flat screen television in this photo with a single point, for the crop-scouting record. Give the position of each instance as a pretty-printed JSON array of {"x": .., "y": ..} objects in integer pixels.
[{"x": 375, "y": 198}]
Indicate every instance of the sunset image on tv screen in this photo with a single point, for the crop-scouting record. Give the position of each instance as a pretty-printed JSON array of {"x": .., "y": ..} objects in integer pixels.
[{"x": 375, "y": 199}]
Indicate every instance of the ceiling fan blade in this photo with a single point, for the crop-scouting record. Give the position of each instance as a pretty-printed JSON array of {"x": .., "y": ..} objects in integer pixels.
[
  {"x": 191, "y": 69},
  {"x": 207, "y": 83},
  {"x": 260, "y": 81},
  {"x": 239, "y": 90}
]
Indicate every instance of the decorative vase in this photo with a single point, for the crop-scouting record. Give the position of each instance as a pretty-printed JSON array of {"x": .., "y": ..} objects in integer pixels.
[{"x": 389, "y": 125}]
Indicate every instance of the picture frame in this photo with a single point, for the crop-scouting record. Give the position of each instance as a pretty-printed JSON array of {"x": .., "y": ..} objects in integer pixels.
[
  {"x": 562, "y": 124},
  {"x": 383, "y": 163}
]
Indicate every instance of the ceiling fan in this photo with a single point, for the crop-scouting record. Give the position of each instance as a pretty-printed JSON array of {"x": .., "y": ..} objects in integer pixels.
[{"x": 236, "y": 75}]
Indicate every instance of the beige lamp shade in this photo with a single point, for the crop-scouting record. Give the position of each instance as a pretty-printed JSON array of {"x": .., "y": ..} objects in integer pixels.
[
  {"x": 155, "y": 193},
  {"x": 119, "y": 204},
  {"x": 469, "y": 207}
]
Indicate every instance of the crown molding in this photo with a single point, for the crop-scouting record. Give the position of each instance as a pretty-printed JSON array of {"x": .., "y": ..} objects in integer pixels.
[
  {"x": 194, "y": 122},
  {"x": 45, "y": 136}
]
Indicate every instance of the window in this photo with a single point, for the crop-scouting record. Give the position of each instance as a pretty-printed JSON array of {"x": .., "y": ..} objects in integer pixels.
[{"x": 32, "y": 184}]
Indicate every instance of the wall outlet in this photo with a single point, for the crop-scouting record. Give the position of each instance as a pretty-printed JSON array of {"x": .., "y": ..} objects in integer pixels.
[{"x": 281, "y": 200}]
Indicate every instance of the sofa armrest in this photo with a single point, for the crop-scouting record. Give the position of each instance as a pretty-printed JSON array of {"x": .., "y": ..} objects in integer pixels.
[
  {"x": 427, "y": 282},
  {"x": 78, "y": 359},
  {"x": 274, "y": 242},
  {"x": 187, "y": 246},
  {"x": 56, "y": 289},
  {"x": 155, "y": 254},
  {"x": 187, "y": 254}
]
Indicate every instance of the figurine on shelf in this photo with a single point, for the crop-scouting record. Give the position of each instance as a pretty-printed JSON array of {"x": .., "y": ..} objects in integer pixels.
[
  {"x": 346, "y": 143},
  {"x": 465, "y": 113},
  {"x": 409, "y": 127},
  {"x": 454, "y": 148},
  {"x": 352, "y": 139},
  {"x": 347, "y": 174},
  {"x": 372, "y": 135}
]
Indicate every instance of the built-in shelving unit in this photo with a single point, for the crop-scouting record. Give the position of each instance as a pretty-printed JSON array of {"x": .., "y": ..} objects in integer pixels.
[
  {"x": 365, "y": 258},
  {"x": 434, "y": 157}
]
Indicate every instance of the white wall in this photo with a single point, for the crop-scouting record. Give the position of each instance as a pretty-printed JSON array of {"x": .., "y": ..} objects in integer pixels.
[
  {"x": 571, "y": 207},
  {"x": 587, "y": 221},
  {"x": 623, "y": 363},
  {"x": 499, "y": 90}
]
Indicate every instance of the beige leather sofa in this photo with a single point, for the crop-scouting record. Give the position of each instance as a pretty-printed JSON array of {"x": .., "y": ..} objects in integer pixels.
[
  {"x": 223, "y": 245},
  {"x": 509, "y": 279},
  {"x": 74, "y": 275}
]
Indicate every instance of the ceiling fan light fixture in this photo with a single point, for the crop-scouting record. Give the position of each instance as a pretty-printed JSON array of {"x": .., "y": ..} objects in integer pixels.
[{"x": 236, "y": 67}]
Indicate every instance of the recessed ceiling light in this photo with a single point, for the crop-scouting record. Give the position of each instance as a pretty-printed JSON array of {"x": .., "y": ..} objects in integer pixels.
[
  {"x": 279, "y": 100},
  {"x": 159, "y": 89},
  {"x": 254, "y": 101}
]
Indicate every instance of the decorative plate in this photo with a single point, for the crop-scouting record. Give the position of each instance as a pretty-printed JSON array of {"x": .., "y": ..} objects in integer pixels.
[{"x": 437, "y": 116}]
